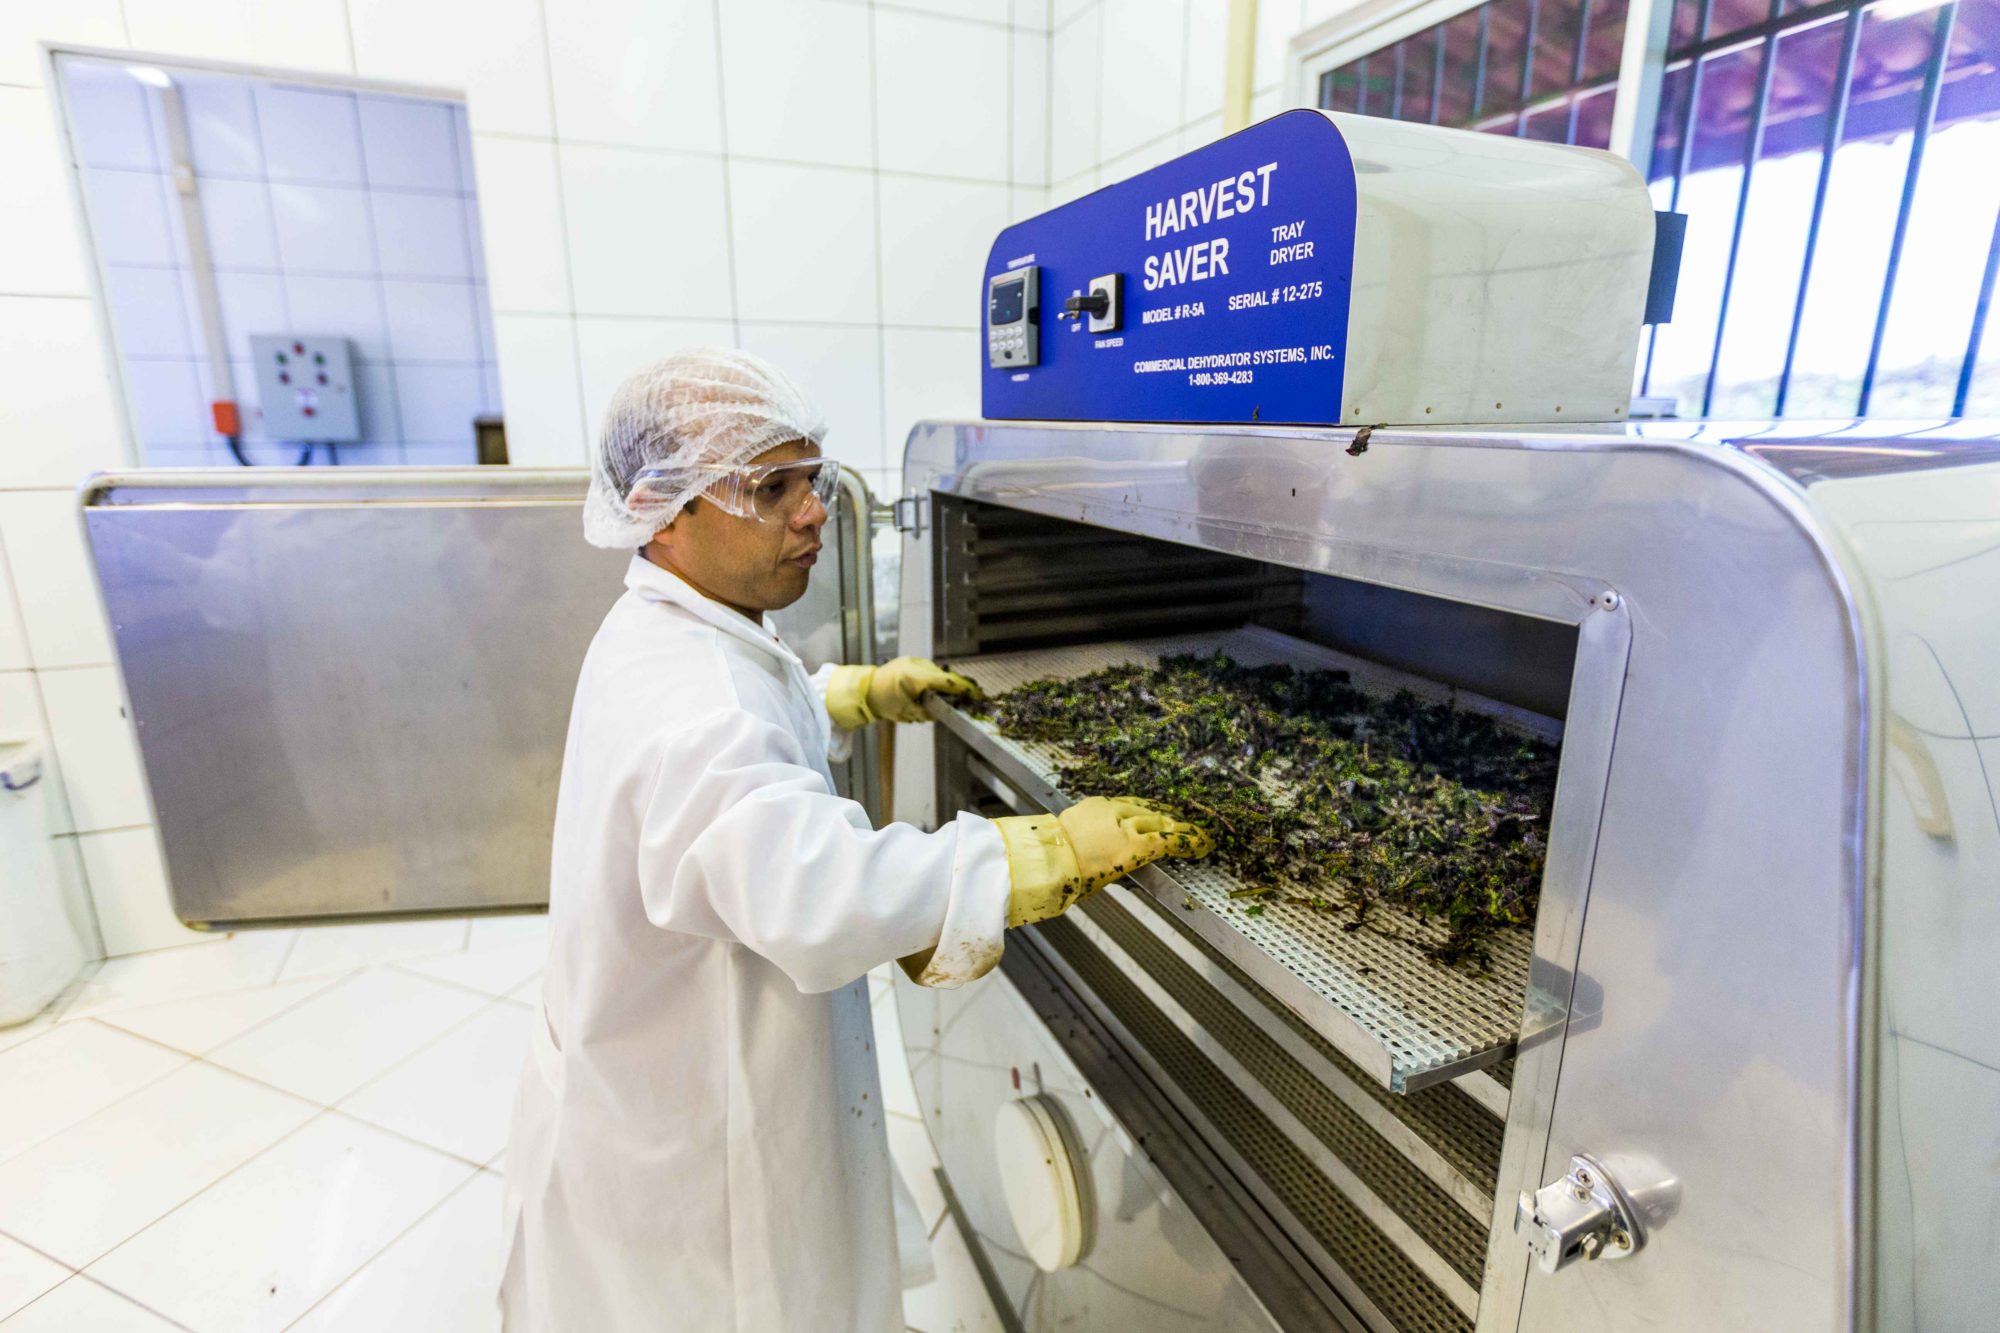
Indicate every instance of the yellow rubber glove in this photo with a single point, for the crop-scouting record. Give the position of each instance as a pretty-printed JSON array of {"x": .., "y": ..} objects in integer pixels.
[
  {"x": 858, "y": 695},
  {"x": 1056, "y": 861}
]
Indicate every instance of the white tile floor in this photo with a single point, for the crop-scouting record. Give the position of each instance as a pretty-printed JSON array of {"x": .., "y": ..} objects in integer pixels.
[{"x": 303, "y": 1129}]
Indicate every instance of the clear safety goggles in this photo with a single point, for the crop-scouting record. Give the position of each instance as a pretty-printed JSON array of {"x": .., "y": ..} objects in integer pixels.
[{"x": 767, "y": 492}]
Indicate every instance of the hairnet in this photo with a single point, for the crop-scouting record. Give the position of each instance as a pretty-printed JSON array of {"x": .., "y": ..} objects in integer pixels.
[{"x": 706, "y": 406}]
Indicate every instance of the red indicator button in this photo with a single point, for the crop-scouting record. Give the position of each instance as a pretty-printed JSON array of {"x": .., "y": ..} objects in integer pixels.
[
  {"x": 299, "y": 348},
  {"x": 322, "y": 377},
  {"x": 284, "y": 377},
  {"x": 309, "y": 411}
]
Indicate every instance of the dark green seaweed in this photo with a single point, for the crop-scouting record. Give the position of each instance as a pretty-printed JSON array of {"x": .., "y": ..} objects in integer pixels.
[{"x": 1319, "y": 797}]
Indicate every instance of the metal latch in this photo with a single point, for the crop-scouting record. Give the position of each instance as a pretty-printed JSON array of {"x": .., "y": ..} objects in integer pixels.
[
  {"x": 1585, "y": 1215},
  {"x": 911, "y": 514}
]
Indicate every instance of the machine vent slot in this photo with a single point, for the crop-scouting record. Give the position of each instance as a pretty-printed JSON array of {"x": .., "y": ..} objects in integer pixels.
[
  {"x": 1008, "y": 580},
  {"x": 1455, "y": 1233},
  {"x": 1342, "y": 1231}
]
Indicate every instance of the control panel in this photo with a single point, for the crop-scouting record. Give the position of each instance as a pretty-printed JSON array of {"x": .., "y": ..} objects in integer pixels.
[
  {"x": 305, "y": 386},
  {"x": 1014, "y": 319},
  {"x": 1327, "y": 269}
]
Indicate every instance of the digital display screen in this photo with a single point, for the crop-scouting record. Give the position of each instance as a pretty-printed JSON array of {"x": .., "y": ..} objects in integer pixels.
[{"x": 1006, "y": 302}]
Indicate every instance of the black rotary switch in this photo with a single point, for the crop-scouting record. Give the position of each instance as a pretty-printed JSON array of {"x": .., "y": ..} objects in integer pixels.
[{"x": 1097, "y": 304}]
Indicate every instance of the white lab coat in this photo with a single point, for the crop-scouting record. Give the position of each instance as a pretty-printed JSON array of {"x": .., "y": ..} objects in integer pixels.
[{"x": 698, "y": 1138}]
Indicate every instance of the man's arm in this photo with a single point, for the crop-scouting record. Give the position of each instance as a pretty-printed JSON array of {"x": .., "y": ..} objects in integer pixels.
[{"x": 742, "y": 841}]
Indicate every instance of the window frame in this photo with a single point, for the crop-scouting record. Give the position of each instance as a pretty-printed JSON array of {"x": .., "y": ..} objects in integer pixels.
[{"x": 1369, "y": 28}]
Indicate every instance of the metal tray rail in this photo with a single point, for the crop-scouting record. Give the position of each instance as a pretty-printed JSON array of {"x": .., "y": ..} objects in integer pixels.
[{"x": 1376, "y": 995}]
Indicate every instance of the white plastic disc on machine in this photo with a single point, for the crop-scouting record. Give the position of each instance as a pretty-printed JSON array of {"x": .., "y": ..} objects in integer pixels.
[{"x": 1044, "y": 1195}]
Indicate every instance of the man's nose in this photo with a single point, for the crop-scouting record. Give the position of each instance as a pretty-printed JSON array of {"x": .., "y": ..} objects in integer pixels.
[{"x": 812, "y": 514}]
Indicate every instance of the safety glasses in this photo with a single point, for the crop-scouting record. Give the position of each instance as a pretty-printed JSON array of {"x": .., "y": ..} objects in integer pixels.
[{"x": 767, "y": 492}]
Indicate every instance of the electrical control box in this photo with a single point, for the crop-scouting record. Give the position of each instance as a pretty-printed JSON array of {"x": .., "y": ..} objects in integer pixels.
[
  {"x": 1014, "y": 319},
  {"x": 305, "y": 386},
  {"x": 1327, "y": 269}
]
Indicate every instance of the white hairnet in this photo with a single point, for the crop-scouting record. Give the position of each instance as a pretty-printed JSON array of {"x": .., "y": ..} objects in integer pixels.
[{"x": 713, "y": 406}]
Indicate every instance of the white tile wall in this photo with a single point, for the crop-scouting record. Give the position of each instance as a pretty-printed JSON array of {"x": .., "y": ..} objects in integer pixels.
[
  {"x": 521, "y": 214},
  {"x": 796, "y": 81},
  {"x": 654, "y": 87},
  {"x": 1075, "y": 70},
  {"x": 25, "y": 23},
  {"x": 538, "y": 380},
  {"x": 1144, "y": 45},
  {"x": 13, "y": 635},
  {"x": 492, "y": 51},
  {"x": 917, "y": 130},
  {"x": 304, "y": 34},
  {"x": 608, "y": 350},
  {"x": 42, "y": 255},
  {"x": 132, "y": 890},
  {"x": 52, "y": 579},
  {"x": 935, "y": 236},
  {"x": 94, "y": 740},
  {"x": 57, "y": 421},
  {"x": 1135, "y": 82},
  {"x": 806, "y": 236},
  {"x": 842, "y": 368},
  {"x": 637, "y": 219}
]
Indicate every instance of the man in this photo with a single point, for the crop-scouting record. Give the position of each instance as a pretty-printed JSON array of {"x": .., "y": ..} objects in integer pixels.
[{"x": 698, "y": 1138}]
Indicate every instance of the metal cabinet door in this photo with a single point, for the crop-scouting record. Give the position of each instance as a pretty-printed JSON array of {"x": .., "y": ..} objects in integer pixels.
[{"x": 351, "y": 687}]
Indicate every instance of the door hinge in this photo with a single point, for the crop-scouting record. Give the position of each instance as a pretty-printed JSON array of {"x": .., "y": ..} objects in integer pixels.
[{"x": 913, "y": 514}]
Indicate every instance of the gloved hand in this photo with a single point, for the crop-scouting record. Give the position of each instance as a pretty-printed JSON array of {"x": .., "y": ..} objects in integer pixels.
[
  {"x": 858, "y": 695},
  {"x": 1056, "y": 861}
]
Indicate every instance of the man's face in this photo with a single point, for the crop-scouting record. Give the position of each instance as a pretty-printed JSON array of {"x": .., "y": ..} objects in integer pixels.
[{"x": 750, "y": 564}]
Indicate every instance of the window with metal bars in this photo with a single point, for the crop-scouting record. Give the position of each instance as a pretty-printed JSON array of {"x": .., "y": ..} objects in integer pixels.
[
  {"x": 1544, "y": 69},
  {"x": 1837, "y": 163}
]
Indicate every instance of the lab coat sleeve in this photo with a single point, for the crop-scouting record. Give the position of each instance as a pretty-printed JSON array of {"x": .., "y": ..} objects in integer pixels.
[
  {"x": 741, "y": 840},
  {"x": 839, "y": 740}
]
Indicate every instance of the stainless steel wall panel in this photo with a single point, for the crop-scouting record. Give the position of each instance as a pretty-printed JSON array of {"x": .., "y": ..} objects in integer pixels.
[{"x": 352, "y": 686}]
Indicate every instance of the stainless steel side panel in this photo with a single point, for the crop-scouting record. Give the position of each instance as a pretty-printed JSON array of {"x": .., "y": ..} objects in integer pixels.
[
  {"x": 1706, "y": 1013},
  {"x": 351, "y": 687}
]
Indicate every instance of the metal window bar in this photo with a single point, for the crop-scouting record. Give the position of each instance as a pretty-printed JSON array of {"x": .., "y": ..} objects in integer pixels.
[
  {"x": 1396, "y": 89},
  {"x": 1704, "y": 45},
  {"x": 1437, "y": 73},
  {"x": 1836, "y": 129},
  {"x": 1683, "y": 155},
  {"x": 1479, "y": 66},
  {"x": 1752, "y": 150},
  {"x": 1326, "y": 90},
  {"x": 1361, "y": 86},
  {"x": 1577, "y": 61},
  {"x": 1528, "y": 66},
  {"x": 1979, "y": 311},
  {"x": 1926, "y": 112}
]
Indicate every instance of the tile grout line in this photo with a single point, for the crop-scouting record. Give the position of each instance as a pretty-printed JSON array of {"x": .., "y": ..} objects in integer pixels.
[
  {"x": 320, "y": 1112},
  {"x": 405, "y": 1061},
  {"x": 78, "y": 1275},
  {"x": 27, "y": 1244},
  {"x": 26, "y": 1148},
  {"x": 728, "y": 200},
  {"x": 390, "y": 1244},
  {"x": 755, "y": 159},
  {"x": 883, "y": 441},
  {"x": 398, "y": 965}
]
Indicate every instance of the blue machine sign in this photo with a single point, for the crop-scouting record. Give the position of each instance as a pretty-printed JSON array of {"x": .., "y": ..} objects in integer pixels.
[{"x": 1212, "y": 288}]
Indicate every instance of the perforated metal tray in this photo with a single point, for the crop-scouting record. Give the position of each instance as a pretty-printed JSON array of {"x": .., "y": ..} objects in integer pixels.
[{"x": 1376, "y": 994}]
